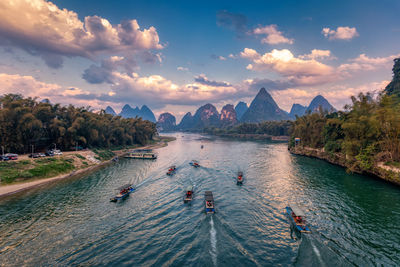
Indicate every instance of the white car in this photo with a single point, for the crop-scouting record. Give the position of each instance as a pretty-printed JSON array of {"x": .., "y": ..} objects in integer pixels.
[{"x": 57, "y": 152}]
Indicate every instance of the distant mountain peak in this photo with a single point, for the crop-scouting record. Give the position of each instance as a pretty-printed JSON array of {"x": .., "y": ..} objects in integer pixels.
[
  {"x": 145, "y": 113},
  {"x": 166, "y": 122},
  {"x": 110, "y": 110},
  {"x": 240, "y": 109},
  {"x": 297, "y": 110},
  {"x": 318, "y": 101},
  {"x": 228, "y": 115},
  {"x": 264, "y": 108}
]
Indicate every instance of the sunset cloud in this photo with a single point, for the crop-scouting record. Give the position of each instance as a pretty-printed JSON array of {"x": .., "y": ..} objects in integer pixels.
[
  {"x": 365, "y": 63},
  {"x": 317, "y": 54},
  {"x": 273, "y": 36},
  {"x": 341, "y": 33},
  {"x": 29, "y": 86},
  {"x": 283, "y": 62},
  {"x": 40, "y": 27}
]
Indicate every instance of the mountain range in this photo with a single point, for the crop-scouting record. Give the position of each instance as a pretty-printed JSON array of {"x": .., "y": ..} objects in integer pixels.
[
  {"x": 262, "y": 108},
  {"x": 128, "y": 112}
]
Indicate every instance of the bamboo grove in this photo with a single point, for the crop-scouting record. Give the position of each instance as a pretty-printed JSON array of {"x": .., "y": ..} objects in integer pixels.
[
  {"x": 26, "y": 123},
  {"x": 366, "y": 132}
]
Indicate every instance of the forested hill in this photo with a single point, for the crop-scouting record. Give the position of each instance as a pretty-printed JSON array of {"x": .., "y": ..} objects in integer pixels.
[
  {"x": 366, "y": 134},
  {"x": 26, "y": 122}
]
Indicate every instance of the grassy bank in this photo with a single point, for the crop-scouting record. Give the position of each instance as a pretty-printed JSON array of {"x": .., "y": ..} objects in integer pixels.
[{"x": 13, "y": 171}]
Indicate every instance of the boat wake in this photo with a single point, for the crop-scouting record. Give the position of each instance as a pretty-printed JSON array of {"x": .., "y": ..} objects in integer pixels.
[{"x": 213, "y": 240}]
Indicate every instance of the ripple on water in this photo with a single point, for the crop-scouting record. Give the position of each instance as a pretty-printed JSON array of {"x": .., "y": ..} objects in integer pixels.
[{"x": 352, "y": 217}]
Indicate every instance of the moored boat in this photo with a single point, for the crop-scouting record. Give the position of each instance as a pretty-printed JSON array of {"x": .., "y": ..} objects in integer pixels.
[
  {"x": 194, "y": 163},
  {"x": 239, "y": 180},
  {"x": 171, "y": 170},
  {"x": 124, "y": 192},
  {"x": 296, "y": 217},
  {"x": 188, "y": 194},
  {"x": 209, "y": 202},
  {"x": 141, "y": 154}
]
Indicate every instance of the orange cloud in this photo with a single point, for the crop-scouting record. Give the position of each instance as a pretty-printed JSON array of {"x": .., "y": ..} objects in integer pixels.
[{"x": 41, "y": 26}]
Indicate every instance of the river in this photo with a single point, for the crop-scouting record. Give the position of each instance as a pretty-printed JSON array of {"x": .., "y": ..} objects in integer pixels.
[{"x": 353, "y": 218}]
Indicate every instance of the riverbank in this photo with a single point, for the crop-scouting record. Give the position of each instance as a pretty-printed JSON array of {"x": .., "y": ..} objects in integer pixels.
[
  {"x": 83, "y": 163},
  {"x": 258, "y": 137},
  {"x": 380, "y": 170}
]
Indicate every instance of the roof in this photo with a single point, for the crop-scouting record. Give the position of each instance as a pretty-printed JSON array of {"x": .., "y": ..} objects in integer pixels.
[
  {"x": 124, "y": 186},
  {"x": 297, "y": 210},
  {"x": 208, "y": 196},
  {"x": 141, "y": 150}
]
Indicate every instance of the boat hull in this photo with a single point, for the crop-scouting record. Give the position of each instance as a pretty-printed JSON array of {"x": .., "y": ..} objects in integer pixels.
[
  {"x": 122, "y": 197},
  {"x": 298, "y": 227}
]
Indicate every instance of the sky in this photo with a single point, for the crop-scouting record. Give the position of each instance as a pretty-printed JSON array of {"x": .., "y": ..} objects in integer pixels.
[{"x": 175, "y": 56}]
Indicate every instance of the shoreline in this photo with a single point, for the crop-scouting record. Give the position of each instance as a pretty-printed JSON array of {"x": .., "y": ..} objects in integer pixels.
[
  {"x": 379, "y": 170},
  {"x": 20, "y": 187}
]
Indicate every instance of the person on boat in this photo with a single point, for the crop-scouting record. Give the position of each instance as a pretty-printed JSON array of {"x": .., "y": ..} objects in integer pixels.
[{"x": 209, "y": 204}]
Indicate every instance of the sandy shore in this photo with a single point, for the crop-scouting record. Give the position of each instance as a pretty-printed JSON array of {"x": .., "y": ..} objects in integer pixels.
[{"x": 8, "y": 190}]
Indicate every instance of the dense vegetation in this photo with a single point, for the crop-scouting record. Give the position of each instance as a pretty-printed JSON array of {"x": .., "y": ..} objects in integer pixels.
[
  {"x": 274, "y": 128},
  {"x": 367, "y": 132},
  {"x": 25, "y": 122}
]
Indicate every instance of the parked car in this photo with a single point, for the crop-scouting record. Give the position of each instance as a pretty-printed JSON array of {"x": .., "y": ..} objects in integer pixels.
[
  {"x": 34, "y": 155},
  {"x": 42, "y": 155},
  {"x": 12, "y": 156},
  {"x": 4, "y": 158},
  {"x": 57, "y": 152},
  {"x": 49, "y": 153}
]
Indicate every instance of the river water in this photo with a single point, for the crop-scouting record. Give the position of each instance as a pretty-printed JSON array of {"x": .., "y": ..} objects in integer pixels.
[{"x": 354, "y": 219}]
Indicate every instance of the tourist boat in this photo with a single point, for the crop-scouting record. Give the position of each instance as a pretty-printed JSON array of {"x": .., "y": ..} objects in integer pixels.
[
  {"x": 171, "y": 170},
  {"x": 209, "y": 202},
  {"x": 188, "y": 194},
  {"x": 141, "y": 154},
  {"x": 296, "y": 217},
  {"x": 194, "y": 163},
  {"x": 124, "y": 192},
  {"x": 239, "y": 178}
]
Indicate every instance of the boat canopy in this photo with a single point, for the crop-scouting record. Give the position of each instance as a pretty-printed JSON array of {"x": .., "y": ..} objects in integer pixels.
[
  {"x": 189, "y": 188},
  {"x": 208, "y": 196},
  {"x": 124, "y": 186},
  {"x": 141, "y": 150},
  {"x": 297, "y": 210}
]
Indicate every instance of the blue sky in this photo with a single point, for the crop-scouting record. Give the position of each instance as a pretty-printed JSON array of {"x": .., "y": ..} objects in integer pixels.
[{"x": 177, "y": 55}]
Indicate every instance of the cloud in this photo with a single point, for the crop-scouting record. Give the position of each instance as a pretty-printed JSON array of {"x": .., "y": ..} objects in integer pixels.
[
  {"x": 103, "y": 73},
  {"x": 213, "y": 56},
  {"x": 42, "y": 29},
  {"x": 232, "y": 21},
  {"x": 298, "y": 71},
  {"x": 256, "y": 84},
  {"x": 337, "y": 95},
  {"x": 341, "y": 33},
  {"x": 28, "y": 86},
  {"x": 182, "y": 69},
  {"x": 273, "y": 36},
  {"x": 202, "y": 79},
  {"x": 365, "y": 63},
  {"x": 143, "y": 89},
  {"x": 317, "y": 54}
]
